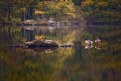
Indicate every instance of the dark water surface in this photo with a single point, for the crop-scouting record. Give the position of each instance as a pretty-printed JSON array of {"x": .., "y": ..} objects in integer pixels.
[{"x": 62, "y": 64}]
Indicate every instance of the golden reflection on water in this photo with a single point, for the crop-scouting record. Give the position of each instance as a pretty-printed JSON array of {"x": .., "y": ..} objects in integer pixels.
[
  {"x": 30, "y": 66},
  {"x": 64, "y": 64},
  {"x": 61, "y": 64}
]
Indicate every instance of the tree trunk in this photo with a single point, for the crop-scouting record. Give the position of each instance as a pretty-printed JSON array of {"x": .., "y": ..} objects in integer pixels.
[{"x": 9, "y": 20}]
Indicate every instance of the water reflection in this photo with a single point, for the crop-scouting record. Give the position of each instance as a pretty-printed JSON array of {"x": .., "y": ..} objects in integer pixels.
[
  {"x": 92, "y": 46},
  {"x": 44, "y": 50},
  {"x": 89, "y": 46},
  {"x": 29, "y": 32},
  {"x": 62, "y": 64},
  {"x": 110, "y": 74}
]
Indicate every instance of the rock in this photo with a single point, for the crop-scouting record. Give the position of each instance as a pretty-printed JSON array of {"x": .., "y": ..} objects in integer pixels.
[
  {"x": 66, "y": 45},
  {"x": 17, "y": 45},
  {"x": 35, "y": 44}
]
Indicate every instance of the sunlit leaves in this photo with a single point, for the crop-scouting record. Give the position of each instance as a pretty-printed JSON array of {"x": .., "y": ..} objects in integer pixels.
[
  {"x": 56, "y": 8},
  {"x": 87, "y": 3},
  {"x": 102, "y": 4}
]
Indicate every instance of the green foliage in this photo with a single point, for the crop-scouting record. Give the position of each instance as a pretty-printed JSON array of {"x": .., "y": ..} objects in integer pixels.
[
  {"x": 95, "y": 8},
  {"x": 13, "y": 8},
  {"x": 88, "y": 35},
  {"x": 17, "y": 8},
  {"x": 57, "y": 8}
]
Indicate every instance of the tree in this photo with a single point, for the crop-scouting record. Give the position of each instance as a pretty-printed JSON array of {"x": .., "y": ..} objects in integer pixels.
[
  {"x": 9, "y": 8},
  {"x": 57, "y": 9}
]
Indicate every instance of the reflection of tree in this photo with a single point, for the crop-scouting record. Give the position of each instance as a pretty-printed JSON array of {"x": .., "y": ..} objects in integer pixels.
[
  {"x": 110, "y": 75},
  {"x": 44, "y": 49}
]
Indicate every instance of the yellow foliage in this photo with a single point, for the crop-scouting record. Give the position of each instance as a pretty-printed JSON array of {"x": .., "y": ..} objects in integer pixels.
[
  {"x": 87, "y": 3},
  {"x": 39, "y": 12},
  {"x": 90, "y": 2},
  {"x": 39, "y": 37},
  {"x": 102, "y": 4}
]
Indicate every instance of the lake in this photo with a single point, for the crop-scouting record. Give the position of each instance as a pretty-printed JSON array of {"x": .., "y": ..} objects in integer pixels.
[{"x": 61, "y": 64}]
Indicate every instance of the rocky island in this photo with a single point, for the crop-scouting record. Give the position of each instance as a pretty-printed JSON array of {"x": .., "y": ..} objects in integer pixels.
[{"x": 36, "y": 44}]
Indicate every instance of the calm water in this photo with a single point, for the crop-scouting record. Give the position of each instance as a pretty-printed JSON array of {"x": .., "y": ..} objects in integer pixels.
[{"x": 62, "y": 64}]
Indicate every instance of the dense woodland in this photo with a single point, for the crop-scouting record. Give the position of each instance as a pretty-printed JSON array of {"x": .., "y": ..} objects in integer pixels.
[{"x": 18, "y": 10}]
